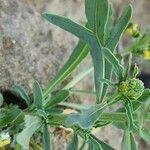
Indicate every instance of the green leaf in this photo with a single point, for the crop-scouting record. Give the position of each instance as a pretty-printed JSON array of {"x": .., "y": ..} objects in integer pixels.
[
  {"x": 108, "y": 69},
  {"x": 32, "y": 123},
  {"x": 90, "y": 145},
  {"x": 114, "y": 38},
  {"x": 108, "y": 72},
  {"x": 80, "y": 31},
  {"x": 118, "y": 68},
  {"x": 145, "y": 134},
  {"x": 96, "y": 21},
  {"x": 1, "y": 99},
  {"x": 23, "y": 93},
  {"x": 97, "y": 13},
  {"x": 74, "y": 143},
  {"x": 37, "y": 95},
  {"x": 78, "y": 54},
  {"x": 98, "y": 62},
  {"x": 46, "y": 138},
  {"x": 9, "y": 116},
  {"x": 86, "y": 35},
  {"x": 103, "y": 145},
  {"x": 92, "y": 38},
  {"x": 83, "y": 145},
  {"x": 109, "y": 23},
  {"x": 87, "y": 117},
  {"x": 59, "y": 97},
  {"x": 128, "y": 141},
  {"x": 119, "y": 28}
]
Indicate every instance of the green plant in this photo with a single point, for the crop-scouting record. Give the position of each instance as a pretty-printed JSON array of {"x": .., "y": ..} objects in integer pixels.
[{"x": 100, "y": 37}]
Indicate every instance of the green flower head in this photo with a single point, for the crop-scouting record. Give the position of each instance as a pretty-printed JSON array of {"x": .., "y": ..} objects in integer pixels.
[{"x": 132, "y": 88}]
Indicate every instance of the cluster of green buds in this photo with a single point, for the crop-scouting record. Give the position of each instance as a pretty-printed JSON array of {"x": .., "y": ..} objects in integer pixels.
[{"x": 132, "y": 88}]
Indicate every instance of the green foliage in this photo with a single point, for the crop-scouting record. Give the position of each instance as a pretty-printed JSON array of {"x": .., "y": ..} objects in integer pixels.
[
  {"x": 128, "y": 141},
  {"x": 74, "y": 143},
  {"x": 101, "y": 144},
  {"x": 46, "y": 138},
  {"x": 45, "y": 107},
  {"x": 87, "y": 117},
  {"x": 23, "y": 93},
  {"x": 37, "y": 95},
  {"x": 91, "y": 35},
  {"x": 9, "y": 116},
  {"x": 60, "y": 96},
  {"x": 32, "y": 123}
]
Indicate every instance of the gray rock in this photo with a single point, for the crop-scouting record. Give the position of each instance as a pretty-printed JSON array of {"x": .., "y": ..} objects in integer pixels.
[{"x": 30, "y": 47}]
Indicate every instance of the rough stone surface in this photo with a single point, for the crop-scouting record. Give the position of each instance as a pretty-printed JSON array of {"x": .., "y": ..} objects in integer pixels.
[{"x": 30, "y": 47}]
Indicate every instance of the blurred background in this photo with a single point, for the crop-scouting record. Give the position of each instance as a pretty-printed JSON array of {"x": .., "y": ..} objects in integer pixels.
[{"x": 31, "y": 48}]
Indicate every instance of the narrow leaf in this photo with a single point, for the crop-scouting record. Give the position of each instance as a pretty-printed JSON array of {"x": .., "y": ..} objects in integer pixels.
[
  {"x": 9, "y": 116},
  {"x": 98, "y": 62},
  {"x": 32, "y": 123},
  {"x": 46, "y": 138},
  {"x": 145, "y": 134},
  {"x": 108, "y": 73},
  {"x": 90, "y": 145},
  {"x": 74, "y": 143},
  {"x": 37, "y": 95},
  {"x": 87, "y": 117},
  {"x": 114, "y": 62},
  {"x": 97, "y": 12},
  {"x": 128, "y": 141},
  {"x": 83, "y": 145},
  {"x": 114, "y": 38},
  {"x": 103, "y": 15},
  {"x": 104, "y": 145},
  {"x": 78, "y": 54},
  {"x": 119, "y": 28},
  {"x": 23, "y": 93},
  {"x": 78, "y": 30},
  {"x": 59, "y": 97},
  {"x": 109, "y": 24},
  {"x": 94, "y": 145}
]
